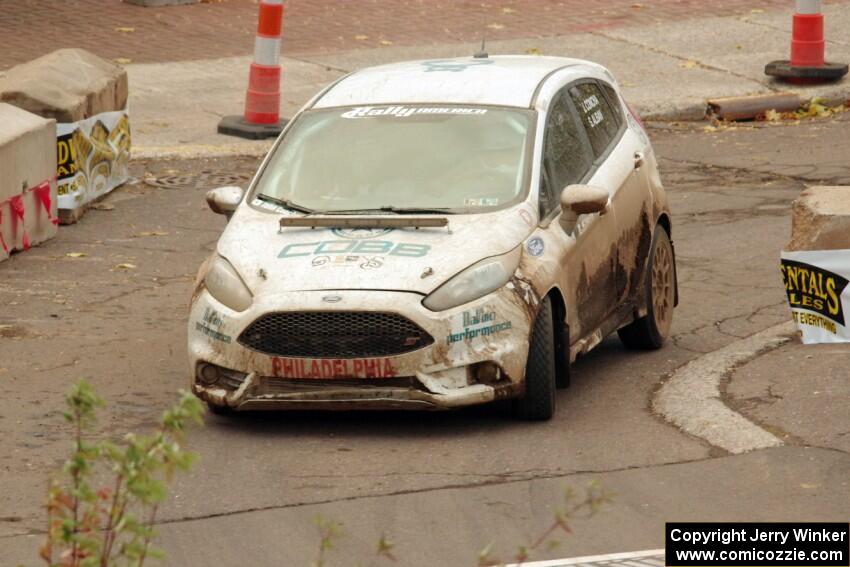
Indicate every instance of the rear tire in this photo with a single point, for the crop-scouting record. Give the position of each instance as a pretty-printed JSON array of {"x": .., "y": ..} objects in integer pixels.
[
  {"x": 538, "y": 402},
  {"x": 650, "y": 331}
]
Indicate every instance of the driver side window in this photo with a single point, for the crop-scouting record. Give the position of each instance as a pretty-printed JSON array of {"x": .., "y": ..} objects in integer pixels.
[{"x": 566, "y": 154}]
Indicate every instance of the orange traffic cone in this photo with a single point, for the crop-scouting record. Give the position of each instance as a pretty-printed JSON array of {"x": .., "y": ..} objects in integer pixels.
[
  {"x": 262, "y": 101},
  {"x": 807, "y": 63}
]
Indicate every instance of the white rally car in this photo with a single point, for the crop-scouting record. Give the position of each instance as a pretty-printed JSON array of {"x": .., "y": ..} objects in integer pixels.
[{"x": 436, "y": 234}]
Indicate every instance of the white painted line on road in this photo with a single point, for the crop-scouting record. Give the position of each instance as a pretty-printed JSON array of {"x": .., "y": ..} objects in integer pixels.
[
  {"x": 611, "y": 557},
  {"x": 691, "y": 398}
]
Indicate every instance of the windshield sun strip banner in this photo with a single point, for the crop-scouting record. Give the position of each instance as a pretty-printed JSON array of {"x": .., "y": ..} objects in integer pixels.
[{"x": 405, "y": 111}]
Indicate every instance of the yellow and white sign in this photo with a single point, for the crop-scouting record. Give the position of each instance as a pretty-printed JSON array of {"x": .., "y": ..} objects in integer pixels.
[
  {"x": 816, "y": 284},
  {"x": 93, "y": 157}
]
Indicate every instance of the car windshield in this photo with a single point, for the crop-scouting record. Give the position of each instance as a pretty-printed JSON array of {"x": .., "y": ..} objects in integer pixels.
[{"x": 400, "y": 158}]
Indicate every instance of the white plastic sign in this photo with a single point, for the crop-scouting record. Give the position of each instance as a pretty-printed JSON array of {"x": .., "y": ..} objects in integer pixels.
[
  {"x": 816, "y": 284},
  {"x": 93, "y": 157}
]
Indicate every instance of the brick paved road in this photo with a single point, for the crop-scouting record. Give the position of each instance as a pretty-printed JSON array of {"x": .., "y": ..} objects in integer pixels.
[{"x": 220, "y": 28}]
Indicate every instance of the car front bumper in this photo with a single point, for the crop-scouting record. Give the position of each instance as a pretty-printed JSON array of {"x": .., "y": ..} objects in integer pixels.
[{"x": 446, "y": 374}]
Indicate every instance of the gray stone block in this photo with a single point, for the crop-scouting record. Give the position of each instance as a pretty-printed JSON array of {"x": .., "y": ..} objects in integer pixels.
[
  {"x": 821, "y": 219},
  {"x": 68, "y": 85}
]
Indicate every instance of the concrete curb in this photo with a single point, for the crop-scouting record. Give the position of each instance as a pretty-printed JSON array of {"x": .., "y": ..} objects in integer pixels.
[
  {"x": 197, "y": 151},
  {"x": 690, "y": 399}
]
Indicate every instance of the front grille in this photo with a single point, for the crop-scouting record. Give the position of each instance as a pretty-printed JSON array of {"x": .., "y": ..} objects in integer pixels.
[
  {"x": 334, "y": 334},
  {"x": 274, "y": 385}
]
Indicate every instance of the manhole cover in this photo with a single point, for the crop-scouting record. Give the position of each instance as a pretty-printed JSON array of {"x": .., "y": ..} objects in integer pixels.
[{"x": 202, "y": 180}]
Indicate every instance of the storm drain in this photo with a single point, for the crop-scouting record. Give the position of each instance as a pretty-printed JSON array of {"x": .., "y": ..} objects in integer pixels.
[{"x": 202, "y": 180}]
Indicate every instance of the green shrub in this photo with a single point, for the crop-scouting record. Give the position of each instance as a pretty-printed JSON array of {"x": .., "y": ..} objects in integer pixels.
[{"x": 112, "y": 525}]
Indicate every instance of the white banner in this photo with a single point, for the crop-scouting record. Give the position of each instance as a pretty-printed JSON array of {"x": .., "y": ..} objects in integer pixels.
[
  {"x": 816, "y": 284},
  {"x": 93, "y": 157}
]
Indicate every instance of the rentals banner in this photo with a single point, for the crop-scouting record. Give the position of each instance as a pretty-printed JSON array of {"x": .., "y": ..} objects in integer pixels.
[
  {"x": 93, "y": 157},
  {"x": 816, "y": 284}
]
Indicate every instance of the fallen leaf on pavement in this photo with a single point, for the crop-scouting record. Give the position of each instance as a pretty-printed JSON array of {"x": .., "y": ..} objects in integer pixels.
[
  {"x": 386, "y": 42},
  {"x": 508, "y": 10},
  {"x": 496, "y": 26},
  {"x": 361, "y": 37},
  {"x": 532, "y": 51},
  {"x": 103, "y": 207},
  {"x": 126, "y": 266},
  {"x": 125, "y": 30},
  {"x": 76, "y": 254},
  {"x": 689, "y": 64},
  {"x": 772, "y": 116},
  {"x": 123, "y": 60}
]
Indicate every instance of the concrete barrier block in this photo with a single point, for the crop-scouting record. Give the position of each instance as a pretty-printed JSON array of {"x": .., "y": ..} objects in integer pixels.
[
  {"x": 68, "y": 85},
  {"x": 28, "y": 192},
  {"x": 87, "y": 96},
  {"x": 821, "y": 219}
]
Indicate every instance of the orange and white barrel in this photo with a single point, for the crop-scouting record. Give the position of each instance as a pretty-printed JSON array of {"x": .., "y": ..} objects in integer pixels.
[{"x": 262, "y": 101}]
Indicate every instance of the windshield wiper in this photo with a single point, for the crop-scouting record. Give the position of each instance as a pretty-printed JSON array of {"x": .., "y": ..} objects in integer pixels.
[
  {"x": 286, "y": 203},
  {"x": 416, "y": 210}
]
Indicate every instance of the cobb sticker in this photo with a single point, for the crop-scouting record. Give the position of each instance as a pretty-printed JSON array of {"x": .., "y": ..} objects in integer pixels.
[{"x": 816, "y": 285}]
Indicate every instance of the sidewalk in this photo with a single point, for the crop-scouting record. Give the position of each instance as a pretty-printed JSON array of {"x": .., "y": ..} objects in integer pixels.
[
  {"x": 225, "y": 28},
  {"x": 667, "y": 70},
  {"x": 189, "y": 65}
]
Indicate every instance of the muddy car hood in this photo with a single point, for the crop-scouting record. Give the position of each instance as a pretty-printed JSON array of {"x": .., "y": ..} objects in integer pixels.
[{"x": 273, "y": 260}]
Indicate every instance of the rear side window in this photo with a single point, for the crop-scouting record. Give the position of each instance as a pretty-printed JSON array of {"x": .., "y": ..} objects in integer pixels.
[
  {"x": 614, "y": 99},
  {"x": 597, "y": 117},
  {"x": 566, "y": 157}
]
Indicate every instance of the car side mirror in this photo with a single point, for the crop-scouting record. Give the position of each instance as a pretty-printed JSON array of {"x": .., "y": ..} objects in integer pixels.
[
  {"x": 581, "y": 200},
  {"x": 224, "y": 200}
]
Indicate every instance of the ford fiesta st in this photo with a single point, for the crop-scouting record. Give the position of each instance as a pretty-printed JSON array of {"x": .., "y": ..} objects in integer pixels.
[{"x": 436, "y": 234}]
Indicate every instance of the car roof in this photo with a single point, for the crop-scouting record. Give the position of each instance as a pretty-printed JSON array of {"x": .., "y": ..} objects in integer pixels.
[{"x": 507, "y": 80}]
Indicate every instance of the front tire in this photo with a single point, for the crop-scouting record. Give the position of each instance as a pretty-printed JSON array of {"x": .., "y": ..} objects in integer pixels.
[
  {"x": 650, "y": 331},
  {"x": 538, "y": 402}
]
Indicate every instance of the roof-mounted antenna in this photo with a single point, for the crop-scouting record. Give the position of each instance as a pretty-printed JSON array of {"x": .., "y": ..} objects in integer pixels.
[{"x": 481, "y": 53}]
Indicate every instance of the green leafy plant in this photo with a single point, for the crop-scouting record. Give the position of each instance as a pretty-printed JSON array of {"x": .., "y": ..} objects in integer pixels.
[
  {"x": 113, "y": 524},
  {"x": 330, "y": 531},
  {"x": 574, "y": 507}
]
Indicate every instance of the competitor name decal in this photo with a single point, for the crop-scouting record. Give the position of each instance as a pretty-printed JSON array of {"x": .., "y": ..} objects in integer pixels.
[{"x": 332, "y": 368}]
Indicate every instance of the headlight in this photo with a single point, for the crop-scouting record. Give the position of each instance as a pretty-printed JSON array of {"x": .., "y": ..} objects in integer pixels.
[
  {"x": 478, "y": 280},
  {"x": 224, "y": 283}
]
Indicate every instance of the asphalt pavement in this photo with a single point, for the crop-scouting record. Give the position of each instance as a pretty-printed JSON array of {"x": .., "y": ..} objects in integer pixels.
[{"x": 107, "y": 300}]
